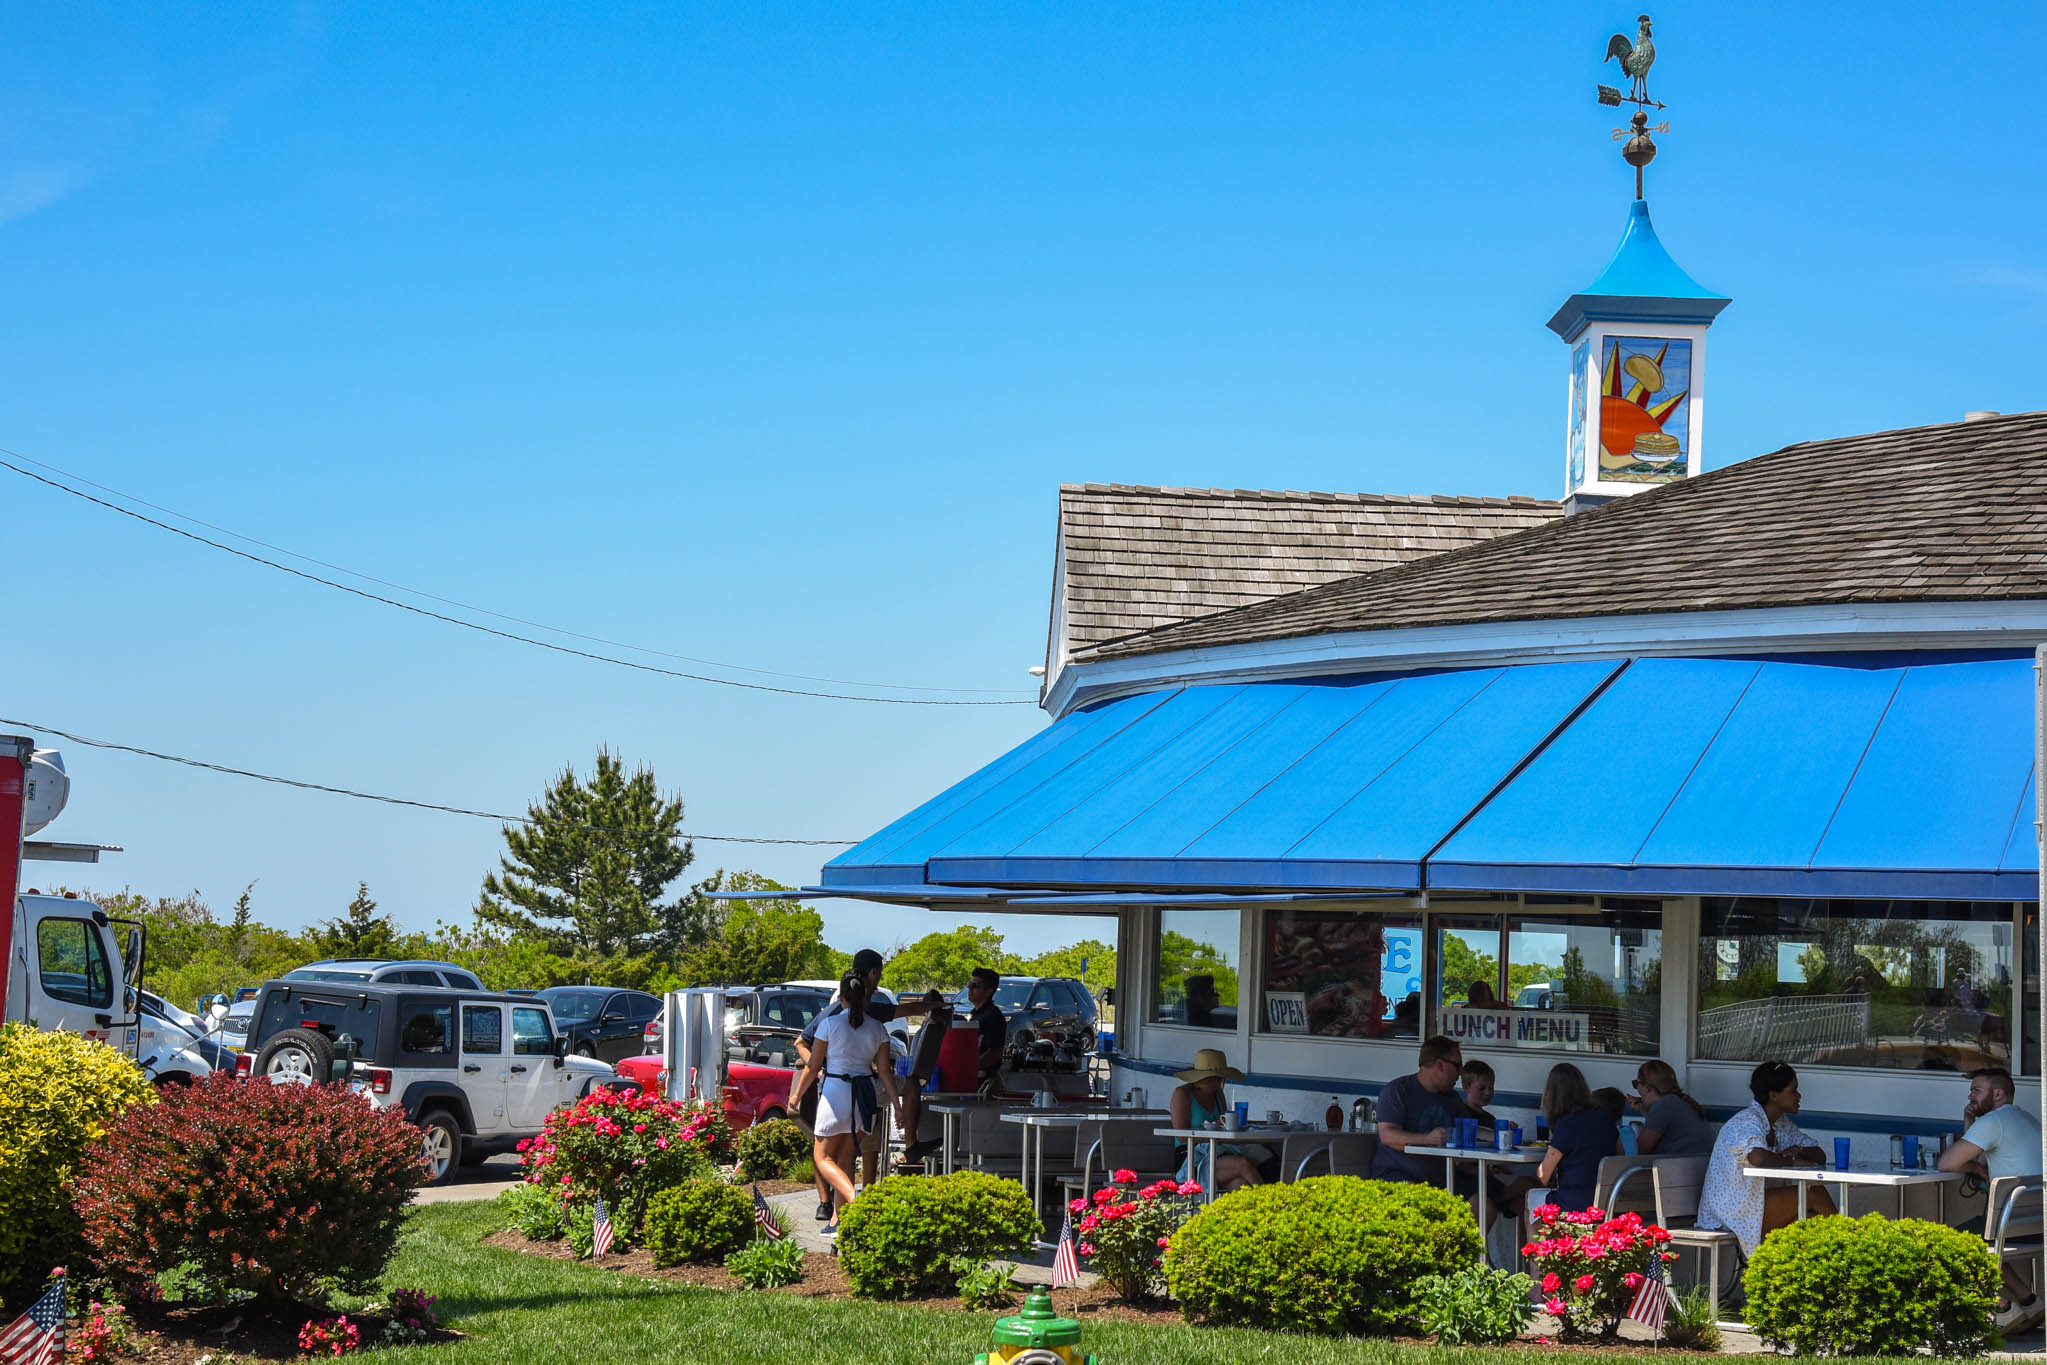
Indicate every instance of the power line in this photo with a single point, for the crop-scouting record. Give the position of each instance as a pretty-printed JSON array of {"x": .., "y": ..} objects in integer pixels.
[
  {"x": 492, "y": 630},
  {"x": 372, "y": 796}
]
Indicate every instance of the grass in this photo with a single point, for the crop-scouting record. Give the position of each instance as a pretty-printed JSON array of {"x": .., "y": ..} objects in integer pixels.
[{"x": 523, "y": 1308}]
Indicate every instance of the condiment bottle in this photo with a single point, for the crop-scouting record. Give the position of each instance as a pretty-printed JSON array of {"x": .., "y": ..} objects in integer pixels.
[{"x": 1332, "y": 1117}]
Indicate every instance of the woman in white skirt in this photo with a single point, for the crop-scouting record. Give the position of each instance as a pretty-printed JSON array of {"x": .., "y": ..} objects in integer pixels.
[{"x": 847, "y": 1062}]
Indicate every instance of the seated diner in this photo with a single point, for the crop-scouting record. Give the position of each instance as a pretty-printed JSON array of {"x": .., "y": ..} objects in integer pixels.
[
  {"x": 1673, "y": 1123},
  {"x": 1199, "y": 1101},
  {"x": 1760, "y": 1135},
  {"x": 1581, "y": 1135}
]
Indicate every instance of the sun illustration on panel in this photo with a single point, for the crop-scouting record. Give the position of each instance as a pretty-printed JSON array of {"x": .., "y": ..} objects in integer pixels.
[{"x": 1644, "y": 421}]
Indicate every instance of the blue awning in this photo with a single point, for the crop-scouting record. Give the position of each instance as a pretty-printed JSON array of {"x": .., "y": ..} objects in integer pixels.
[
  {"x": 1338, "y": 784},
  {"x": 1901, "y": 776}
]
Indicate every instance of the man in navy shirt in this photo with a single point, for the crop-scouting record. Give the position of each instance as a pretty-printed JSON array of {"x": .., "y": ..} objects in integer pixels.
[{"x": 1419, "y": 1111}]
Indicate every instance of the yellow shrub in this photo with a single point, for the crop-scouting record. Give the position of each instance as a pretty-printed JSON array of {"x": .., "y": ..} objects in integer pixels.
[{"x": 58, "y": 1093}]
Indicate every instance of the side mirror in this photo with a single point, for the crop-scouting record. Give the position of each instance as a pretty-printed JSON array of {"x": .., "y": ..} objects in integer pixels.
[
  {"x": 216, "y": 1007},
  {"x": 561, "y": 1048},
  {"x": 131, "y": 958}
]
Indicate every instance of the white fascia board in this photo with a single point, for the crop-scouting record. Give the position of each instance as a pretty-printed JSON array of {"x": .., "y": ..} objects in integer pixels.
[{"x": 1843, "y": 626}]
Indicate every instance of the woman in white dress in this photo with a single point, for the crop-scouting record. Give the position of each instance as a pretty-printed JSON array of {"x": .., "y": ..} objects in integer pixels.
[
  {"x": 1760, "y": 1135},
  {"x": 847, "y": 1062}
]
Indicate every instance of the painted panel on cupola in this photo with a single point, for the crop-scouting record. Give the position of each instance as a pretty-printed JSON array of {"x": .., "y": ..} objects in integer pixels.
[
  {"x": 1581, "y": 383},
  {"x": 1645, "y": 384}
]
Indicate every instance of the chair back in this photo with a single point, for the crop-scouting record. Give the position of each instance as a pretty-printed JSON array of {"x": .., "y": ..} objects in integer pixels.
[
  {"x": 988, "y": 1136},
  {"x": 1678, "y": 1180},
  {"x": 1352, "y": 1153},
  {"x": 1132, "y": 1146},
  {"x": 1625, "y": 1185},
  {"x": 2011, "y": 1209}
]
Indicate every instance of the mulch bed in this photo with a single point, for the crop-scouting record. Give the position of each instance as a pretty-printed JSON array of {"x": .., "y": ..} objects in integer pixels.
[
  {"x": 183, "y": 1335},
  {"x": 824, "y": 1279}
]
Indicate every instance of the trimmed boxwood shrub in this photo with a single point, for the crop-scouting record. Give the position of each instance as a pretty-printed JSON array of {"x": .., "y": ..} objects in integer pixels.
[
  {"x": 697, "y": 1221},
  {"x": 1330, "y": 1255},
  {"x": 910, "y": 1233},
  {"x": 276, "y": 1190},
  {"x": 1872, "y": 1286},
  {"x": 767, "y": 1150},
  {"x": 58, "y": 1093}
]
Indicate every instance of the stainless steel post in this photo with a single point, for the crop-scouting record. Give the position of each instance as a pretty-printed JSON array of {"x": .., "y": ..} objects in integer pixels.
[{"x": 2040, "y": 837}]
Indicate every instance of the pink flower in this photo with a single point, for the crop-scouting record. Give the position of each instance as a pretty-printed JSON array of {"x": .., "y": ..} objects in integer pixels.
[
  {"x": 1632, "y": 1280},
  {"x": 1125, "y": 1176},
  {"x": 1087, "y": 1248},
  {"x": 1164, "y": 1240},
  {"x": 662, "y": 1143},
  {"x": 1553, "y": 1307},
  {"x": 1077, "y": 1206},
  {"x": 639, "y": 1128},
  {"x": 1584, "y": 1284},
  {"x": 1552, "y": 1282},
  {"x": 1546, "y": 1212},
  {"x": 1190, "y": 1187},
  {"x": 1104, "y": 1196}
]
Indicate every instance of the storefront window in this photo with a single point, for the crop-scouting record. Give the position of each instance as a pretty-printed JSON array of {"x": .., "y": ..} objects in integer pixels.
[
  {"x": 1342, "y": 975},
  {"x": 2029, "y": 933},
  {"x": 1467, "y": 960},
  {"x": 1907, "y": 985},
  {"x": 1589, "y": 982},
  {"x": 1196, "y": 969}
]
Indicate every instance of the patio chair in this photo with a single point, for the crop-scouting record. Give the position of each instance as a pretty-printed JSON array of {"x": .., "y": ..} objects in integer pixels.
[
  {"x": 1677, "y": 1181},
  {"x": 1342, "y": 1154},
  {"x": 2013, "y": 1222},
  {"x": 989, "y": 1144},
  {"x": 1116, "y": 1147}
]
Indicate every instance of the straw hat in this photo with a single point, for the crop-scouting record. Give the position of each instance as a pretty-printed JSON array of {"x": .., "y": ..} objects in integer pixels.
[{"x": 1209, "y": 1062}]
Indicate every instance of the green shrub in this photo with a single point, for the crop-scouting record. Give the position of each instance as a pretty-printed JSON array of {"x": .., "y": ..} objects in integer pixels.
[
  {"x": 804, "y": 1172},
  {"x": 985, "y": 1285},
  {"x": 767, "y": 1264},
  {"x": 768, "y": 1150},
  {"x": 697, "y": 1221},
  {"x": 1331, "y": 1255},
  {"x": 58, "y": 1094},
  {"x": 1477, "y": 1306},
  {"x": 535, "y": 1211},
  {"x": 1872, "y": 1286},
  {"x": 579, "y": 1226},
  {"x": 1694, "y": 1321},
  {"x": 902, "y": 1237}
]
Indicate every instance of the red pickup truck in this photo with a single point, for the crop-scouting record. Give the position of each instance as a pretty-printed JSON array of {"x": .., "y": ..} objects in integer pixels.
[{"x": 752, "y": 1092}]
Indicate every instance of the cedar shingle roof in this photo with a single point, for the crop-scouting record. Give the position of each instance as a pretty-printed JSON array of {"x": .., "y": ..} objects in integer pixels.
[
  {"x": 1136, "y": 558},
  {"x": 1952, "y": 513}
]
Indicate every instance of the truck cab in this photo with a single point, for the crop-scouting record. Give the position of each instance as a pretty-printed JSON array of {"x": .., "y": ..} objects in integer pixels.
[{"x": 69, "y": 971}]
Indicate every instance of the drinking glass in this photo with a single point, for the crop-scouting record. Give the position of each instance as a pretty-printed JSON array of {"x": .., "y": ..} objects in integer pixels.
[{"x": 1840, "y": 1154}]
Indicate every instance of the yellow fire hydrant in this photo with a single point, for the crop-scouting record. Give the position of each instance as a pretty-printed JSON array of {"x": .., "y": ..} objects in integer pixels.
[{"x": 1037, "y": 1336}]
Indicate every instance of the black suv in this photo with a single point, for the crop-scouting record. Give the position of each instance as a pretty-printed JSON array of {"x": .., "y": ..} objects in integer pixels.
[
  {"x": 600, "y": 1021},
  {"x": 1051, "y": 1018},
  {"x": 475, "y": 1070}
]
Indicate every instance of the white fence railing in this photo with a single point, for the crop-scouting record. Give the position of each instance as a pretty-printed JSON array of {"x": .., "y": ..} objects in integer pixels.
[{"x": 1792, "y": 1028}]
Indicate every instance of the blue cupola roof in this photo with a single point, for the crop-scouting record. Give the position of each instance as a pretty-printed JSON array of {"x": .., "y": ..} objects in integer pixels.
[{"x": 1640, "y": 284}]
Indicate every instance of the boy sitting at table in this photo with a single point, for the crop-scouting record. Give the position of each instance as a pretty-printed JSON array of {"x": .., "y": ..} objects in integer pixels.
[{"x": 1478, "y": 1093}]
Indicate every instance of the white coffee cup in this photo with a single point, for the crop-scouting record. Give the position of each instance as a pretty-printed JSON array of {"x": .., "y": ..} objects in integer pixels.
[{"x": 1274, "y": 1116}]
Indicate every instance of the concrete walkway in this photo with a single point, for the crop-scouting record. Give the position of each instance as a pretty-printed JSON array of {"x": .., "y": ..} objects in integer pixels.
[{"x": 501, "y": 1172}]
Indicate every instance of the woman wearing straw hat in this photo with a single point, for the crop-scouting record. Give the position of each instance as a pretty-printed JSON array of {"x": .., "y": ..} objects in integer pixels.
[{"x": 1200, "y": 1102}]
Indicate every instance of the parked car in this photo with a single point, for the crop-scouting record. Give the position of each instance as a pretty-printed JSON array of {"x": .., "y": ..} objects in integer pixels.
[
  {"x": 751, "y": 1094},
  {"x": 601, "y": 1022},
  {"x": 762, "y": 1023},
  {"x": 1052, "y": 1019},
  {"x": 176, "y": 1045},
  {"x": 476, "y": 1070},
  {"x": 234, "y": 1032}
]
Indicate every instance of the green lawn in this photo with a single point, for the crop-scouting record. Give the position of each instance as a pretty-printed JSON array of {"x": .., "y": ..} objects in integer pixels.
[{"x": 528, "y": 1308}]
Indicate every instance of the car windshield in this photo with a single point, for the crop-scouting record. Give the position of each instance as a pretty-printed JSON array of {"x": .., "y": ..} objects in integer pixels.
[
  {"x": 1009, "y": 996},
  {"x": 575, "y": 1004},
  {"x": 325, "y": 974}
]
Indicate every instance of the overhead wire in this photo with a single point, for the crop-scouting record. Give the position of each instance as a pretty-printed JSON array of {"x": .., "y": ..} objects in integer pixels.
[
  {"x": 386, "y": 800},
  {"x": 504, "y": 634}
]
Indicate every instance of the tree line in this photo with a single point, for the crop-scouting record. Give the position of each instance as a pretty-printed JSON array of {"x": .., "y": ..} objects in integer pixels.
[{"x": 586, "y": 892}]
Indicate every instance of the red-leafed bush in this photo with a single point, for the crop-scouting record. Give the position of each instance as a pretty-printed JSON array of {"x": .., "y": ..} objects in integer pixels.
[
  {"x": 621, "y": 1146},
  {"x": 1589, "y": 1266},
  {"x": 279, "y": 1190}
]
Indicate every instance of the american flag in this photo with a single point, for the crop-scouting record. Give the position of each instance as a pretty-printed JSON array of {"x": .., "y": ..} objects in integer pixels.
[
  {"x": 1065, "y": 1263},
  {"x": 37, "y": 1336},
  {"x": 1652, "y": 1300},
  {"x": 770, "y": 1226},
  {"x": 600, "y": 1231}
]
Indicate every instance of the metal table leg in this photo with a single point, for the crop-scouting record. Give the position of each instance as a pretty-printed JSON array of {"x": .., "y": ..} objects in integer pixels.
[{"x": 948, "y": 1144}]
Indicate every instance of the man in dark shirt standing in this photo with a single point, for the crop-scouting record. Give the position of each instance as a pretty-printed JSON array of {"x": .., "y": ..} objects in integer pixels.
[{"x": 992, "y": 1023}]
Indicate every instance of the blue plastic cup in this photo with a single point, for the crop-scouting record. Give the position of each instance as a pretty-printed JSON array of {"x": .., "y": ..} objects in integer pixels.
[
  {"x": 1840, "y": 1154},
  {"x": 1517, "y": 1135},
  {"x": 1469, "y": 1133},
  {"x": 1911, "y": 1152},
  {"x": 1243, "y": 1113}
]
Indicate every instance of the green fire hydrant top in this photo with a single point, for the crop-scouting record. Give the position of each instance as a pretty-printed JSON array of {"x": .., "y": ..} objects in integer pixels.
[{"x": 1037, "y": 1325}]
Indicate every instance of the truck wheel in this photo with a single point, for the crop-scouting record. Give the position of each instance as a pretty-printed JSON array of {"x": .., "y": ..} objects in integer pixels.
[
  {"x": 299, "y": 1056},
  {"x": 585, "y": 1050},
  {"x": 440, "y": 1145}
]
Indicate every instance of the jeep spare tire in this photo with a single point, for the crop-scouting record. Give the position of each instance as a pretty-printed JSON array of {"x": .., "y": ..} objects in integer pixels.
[{"x": 298, "y": 1056}]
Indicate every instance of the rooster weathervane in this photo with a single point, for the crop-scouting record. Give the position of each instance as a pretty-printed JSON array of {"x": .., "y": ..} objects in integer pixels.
[{"x": 1635, "y": 58}]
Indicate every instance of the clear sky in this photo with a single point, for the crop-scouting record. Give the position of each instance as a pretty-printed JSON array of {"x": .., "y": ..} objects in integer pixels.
[{"x": 765, "y": 334}]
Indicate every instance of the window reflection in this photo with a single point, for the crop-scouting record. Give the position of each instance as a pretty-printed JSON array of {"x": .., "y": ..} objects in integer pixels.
[
  {"x": 1342, "y": 975},
  {"x": 1197, "y": 969},
  {"x": 1918, "y": 985}
]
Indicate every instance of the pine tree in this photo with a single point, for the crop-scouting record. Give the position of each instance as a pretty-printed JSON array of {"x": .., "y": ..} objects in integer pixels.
[
  {"x": 237, "y": 937},
  {"x": 360, "y": 931},
  {"x": 587, "y": 875}
]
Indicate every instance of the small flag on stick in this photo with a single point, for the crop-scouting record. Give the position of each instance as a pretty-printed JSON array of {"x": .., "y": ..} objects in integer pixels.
[
  {"x": 1065, "y": 1264},
  {"x": 37, "y": 1336},
  {"x": 764, "y": 1217},
  {"x": 1652, "y": 1300},
  {"x": 600, "y": 1231}
]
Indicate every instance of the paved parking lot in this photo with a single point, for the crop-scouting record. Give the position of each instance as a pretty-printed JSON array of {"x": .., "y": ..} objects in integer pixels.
[{"x": 501, "y": 1172}]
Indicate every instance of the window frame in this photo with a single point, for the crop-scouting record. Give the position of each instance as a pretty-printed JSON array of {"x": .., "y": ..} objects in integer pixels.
[
  {"x": 546, "y": 1018},
  {"x": 95, "y": 953}
]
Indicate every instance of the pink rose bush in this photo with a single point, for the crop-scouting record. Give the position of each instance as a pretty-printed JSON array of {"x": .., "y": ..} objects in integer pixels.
[
  {"x": 335, "y": 1336},
  {"x": 622, "y": 1146},
  {"x": 1123, "y": 1230},
  {"x": 1589, "y": 1266}
]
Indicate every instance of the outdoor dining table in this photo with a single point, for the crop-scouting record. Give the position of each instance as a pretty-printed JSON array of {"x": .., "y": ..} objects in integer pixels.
[
  {"x": 951, "y": 1110},
  {"x": 1257, "y": 1132},
  {"x": 1899, "y": 1178},
  {"x": 1037, "y": 1122},
  {"x": 1482, "y": 1157}
]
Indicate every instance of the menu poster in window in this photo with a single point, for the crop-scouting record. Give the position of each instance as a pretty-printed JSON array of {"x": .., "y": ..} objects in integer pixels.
[{"x": 1349, "y": 971}]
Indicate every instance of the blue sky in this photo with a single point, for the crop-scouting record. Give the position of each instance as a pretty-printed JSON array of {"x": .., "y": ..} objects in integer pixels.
[{"x": 766, "y": 334}]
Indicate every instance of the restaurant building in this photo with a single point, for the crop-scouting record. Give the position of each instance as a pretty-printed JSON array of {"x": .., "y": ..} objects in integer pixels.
[{"x": 1715, "y": 767}]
